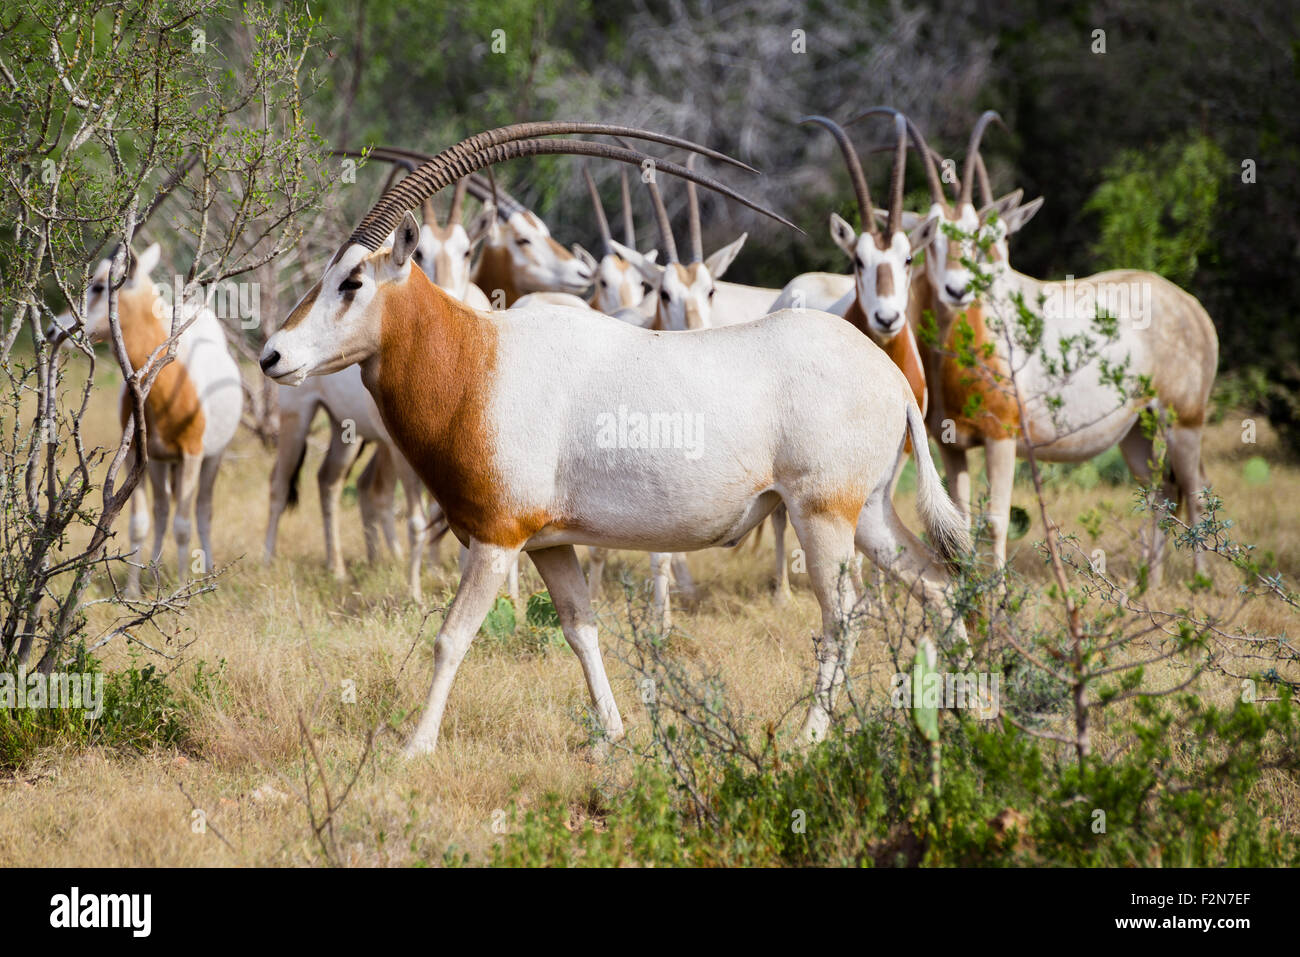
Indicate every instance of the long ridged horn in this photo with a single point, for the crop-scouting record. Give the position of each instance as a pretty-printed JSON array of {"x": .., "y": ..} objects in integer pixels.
[
  {"x": 601, "y": 222},
  {"x": 972, "y": 152},
  {"x": 629, "y": 230},
  {"x": 855, "y": 170},
  {"x": 415, "y": 187},
  {"x": 457, "y": 201},
  {"x": 480, "y": 187},
  {"x": 935, "y": 181},
  {"x": 457, "y": 161},
  {"x": 693, "y": 212},
  {"x": 899, "y": 172},
  {"x": 665, "y": 225}
]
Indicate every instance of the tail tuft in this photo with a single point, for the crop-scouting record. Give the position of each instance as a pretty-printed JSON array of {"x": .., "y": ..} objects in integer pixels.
[{"x": 943, "y": 520}]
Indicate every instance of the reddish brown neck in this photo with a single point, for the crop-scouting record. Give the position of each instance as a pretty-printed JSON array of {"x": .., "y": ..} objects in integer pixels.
[
  {"x": 495, "y": 270},
  {"x": 432, "y": 382}
]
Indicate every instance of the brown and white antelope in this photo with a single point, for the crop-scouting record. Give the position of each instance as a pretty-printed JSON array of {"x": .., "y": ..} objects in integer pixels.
[
  {"x": 192, "y": 410},
  {"x": 501, "y": 415},
  {"x": 443, "y": 252},
  {"x": 1162, "y": 332}
]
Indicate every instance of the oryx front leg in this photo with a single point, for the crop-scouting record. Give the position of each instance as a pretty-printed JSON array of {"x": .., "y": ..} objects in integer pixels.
[
  {"x": 484, "y": 569},
  {"x": 562, "y": 573}
]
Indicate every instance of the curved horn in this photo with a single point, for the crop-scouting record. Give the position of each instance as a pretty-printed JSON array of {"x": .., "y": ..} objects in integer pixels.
[
  {"x": 458, "y": 161},
  {"x": 899, "y": 173},
  {"x": 972, "y": 151},
  {"x": 693, "y": 211},
  {"x": 986, "y": 188},
  {"x": 629, "y": 231},
  {"x": 937, "y": 193},
  {"x": 855, "y": 170},
  {"x": 665, "y": 226},
  {"x": 601, "y": 222}
]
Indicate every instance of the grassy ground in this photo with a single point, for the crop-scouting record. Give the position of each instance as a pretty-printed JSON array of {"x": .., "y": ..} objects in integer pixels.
[{"x": 285, "y": 640}]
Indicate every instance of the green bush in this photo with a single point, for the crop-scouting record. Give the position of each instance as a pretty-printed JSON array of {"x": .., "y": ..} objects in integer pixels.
[
  {"x": 140, "y": 712},
  {"x": 1183, "y": 793}
]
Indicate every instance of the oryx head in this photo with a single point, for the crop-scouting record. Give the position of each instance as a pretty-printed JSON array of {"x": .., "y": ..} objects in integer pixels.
[
  {"x": 445, "y": 250},
  {"x": 341, "y": 320},
  {"x": 947, "y": 264},
  {"x": 683, "y": 292},
  {"x": 135, "y": 295},
  {"x": 619, "y": 283},
  {"x": 882, "y": 259}
]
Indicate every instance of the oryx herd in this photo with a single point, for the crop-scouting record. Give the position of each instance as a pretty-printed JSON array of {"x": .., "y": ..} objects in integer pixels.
[{"x": 485, "y": 381}]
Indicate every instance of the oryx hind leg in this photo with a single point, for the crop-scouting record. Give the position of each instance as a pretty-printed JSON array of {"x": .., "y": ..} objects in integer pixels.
[
  {"x": 203, "y": 506},
  {"x": 827, "y": 541},
  {"x": 333, "y": 471},
  {"x": 291, "y": 449},
  {"x": 1189, "y": 474},
  {"x": 781, "y": 570},
  {"x": 891, "y": 546}
]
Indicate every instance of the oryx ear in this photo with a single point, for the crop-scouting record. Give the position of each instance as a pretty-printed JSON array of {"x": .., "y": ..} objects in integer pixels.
[
  {"x": 1002, "y": 206},
  {"x": 924, "y": 234},
  {"x": 140, "y": 267},
  {"x": 1016, "y": 218},
  {"x": 584, "y": 256},
  {"x": 717, "y": 263},
  {"x": 910, "y": 219},
  {"x": 406, "y": 239},
  {"x": 643, "y": 264},
  {"x": 652, "y": 255},
  {"x": 843, "y": 235},
  {"x": 484, "y": 223}
]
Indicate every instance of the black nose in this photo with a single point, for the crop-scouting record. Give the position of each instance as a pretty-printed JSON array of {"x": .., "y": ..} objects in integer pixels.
[
  {"x": 956, "y": 293},
  {"x": 269, "y": 361}
]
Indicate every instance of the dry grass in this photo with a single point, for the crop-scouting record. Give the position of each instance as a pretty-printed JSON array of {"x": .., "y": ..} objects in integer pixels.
[{"x": 284, "y": 634}]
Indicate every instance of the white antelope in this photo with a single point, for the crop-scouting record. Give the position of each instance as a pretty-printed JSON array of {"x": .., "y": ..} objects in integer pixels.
[
  {"x": 619, "y": 284},
  {"x": 501, "y": 415},
  {"x": 1161, "y": 332},
  {"x": 876, "y": 303},
  {"x": 192, "y": 410}
]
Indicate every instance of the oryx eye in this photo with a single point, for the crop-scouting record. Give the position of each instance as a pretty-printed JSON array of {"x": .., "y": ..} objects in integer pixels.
[
  {"x": 349, "y": 285},
  {"x": 97, "y": 287},
  {"x": 646, "y": 288},
  {"x": 858, "y": 263},
  {"x": 711, "y": 292},
  {"x": 419, "y": 256},
  {"x": 523, "y": 241},
  {"x": 663, "y": 294},
  {"x": 907, "y": 261}
]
